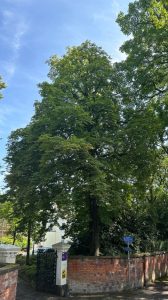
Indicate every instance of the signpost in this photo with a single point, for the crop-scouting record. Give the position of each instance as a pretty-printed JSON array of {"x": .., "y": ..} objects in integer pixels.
[{"x": 128, "y": 240}]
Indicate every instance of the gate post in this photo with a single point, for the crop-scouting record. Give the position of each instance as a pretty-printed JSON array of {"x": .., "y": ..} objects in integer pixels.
[{"x": 61, "y": 272}]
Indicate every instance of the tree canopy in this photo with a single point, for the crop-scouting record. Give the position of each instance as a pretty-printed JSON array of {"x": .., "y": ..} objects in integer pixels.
[
  {"x": 95, "y": 151},
  {"x": 74, "y": 136}
]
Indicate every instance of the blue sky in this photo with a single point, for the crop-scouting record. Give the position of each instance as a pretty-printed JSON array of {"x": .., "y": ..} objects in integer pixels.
[{"x": 33, "y": 30}]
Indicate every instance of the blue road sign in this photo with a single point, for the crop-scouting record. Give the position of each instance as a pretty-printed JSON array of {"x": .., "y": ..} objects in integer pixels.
[{"x": 128, "y": 239}]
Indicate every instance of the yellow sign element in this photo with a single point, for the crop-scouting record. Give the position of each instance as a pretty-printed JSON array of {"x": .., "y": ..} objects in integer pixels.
[{"x": 63, "y": 274}]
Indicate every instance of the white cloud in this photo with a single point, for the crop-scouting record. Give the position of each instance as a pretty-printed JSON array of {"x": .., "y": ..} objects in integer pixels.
[
  {"x": 9, "y": 68},
  {"x": 5, "y": 113},
  {"x": 7, "y": 17},
  {"x": 14, "y": 28},
  {"x": 108, "y": 15},
  {"x": 116, "y": 7},
  {"x": 21, "y": 29}
]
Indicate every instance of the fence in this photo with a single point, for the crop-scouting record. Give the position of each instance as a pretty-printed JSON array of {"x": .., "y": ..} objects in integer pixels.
[{"x": 46, "y": 271}]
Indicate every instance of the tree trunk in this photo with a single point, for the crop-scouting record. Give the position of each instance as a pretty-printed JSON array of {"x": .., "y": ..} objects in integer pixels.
[
  {"x": 33, "y": 250},
  {"x": 94, "y": 228},
  {"x": 28, "y": 244},
  {"x": 14, "y": 236}
]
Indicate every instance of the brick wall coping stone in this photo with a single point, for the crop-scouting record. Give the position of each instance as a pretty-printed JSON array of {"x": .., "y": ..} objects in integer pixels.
[
  {"x": 140, "y": 255},
  {"x": 8, "y": 247},
  {"x": 83, "y": 257},
  {"x": 8, "y": 268}
]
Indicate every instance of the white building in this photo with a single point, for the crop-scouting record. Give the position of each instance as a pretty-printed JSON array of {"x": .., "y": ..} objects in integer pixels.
[{"x": 52, "y": 237}]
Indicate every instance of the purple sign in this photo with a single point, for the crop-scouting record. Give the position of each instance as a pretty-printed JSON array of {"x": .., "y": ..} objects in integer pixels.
[{"x": 64, "y": 256}]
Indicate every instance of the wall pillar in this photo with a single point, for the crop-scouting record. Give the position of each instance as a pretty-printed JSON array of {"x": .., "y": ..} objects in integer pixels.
[
  {"x": 61, "y": 272},
  {"x": 8, "y": 253}
]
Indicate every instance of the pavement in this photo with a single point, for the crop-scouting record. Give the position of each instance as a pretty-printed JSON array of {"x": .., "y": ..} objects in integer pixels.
[{"x": 156, "y": 291}]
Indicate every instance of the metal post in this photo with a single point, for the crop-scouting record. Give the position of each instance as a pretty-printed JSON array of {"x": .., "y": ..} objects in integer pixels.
[
  {"x": 128, "y": 265},
  {"x": 128, "y": 240}
]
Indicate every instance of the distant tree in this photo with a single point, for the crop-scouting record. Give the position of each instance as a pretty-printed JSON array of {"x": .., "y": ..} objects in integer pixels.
[
  {"x": 24, "y": 186},
  {"x": 2, "y": 85},
  {"x": 7, "y": 214}
]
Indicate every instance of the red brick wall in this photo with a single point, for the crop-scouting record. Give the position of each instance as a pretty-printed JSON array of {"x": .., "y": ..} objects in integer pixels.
[
  {"x": 8, "y": 283},
  {"x": 156, "y": 266},
  {"x": 88, "y": 275}
]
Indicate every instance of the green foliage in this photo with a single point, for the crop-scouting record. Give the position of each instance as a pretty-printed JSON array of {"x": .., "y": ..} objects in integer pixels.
[
  {"x": 144, "y": 85},
  {"x": 2, "y": 85},
  {"x": 14, "y": 234},
  {"x": 7, "y": 213},
  {"x": 69, "y": 151},
  {"x": 145, "y": 68},
  {"x": 20, "y": 241},
  {"x": 80, "y": 147},
  {"x": 159, "y": 13},
  {"x": 24, "y": 186},
  {"x": 28, "y": 273}
]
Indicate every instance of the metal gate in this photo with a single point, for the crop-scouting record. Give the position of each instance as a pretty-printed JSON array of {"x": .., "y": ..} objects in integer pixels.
[{"x": 46, "y": 271}]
